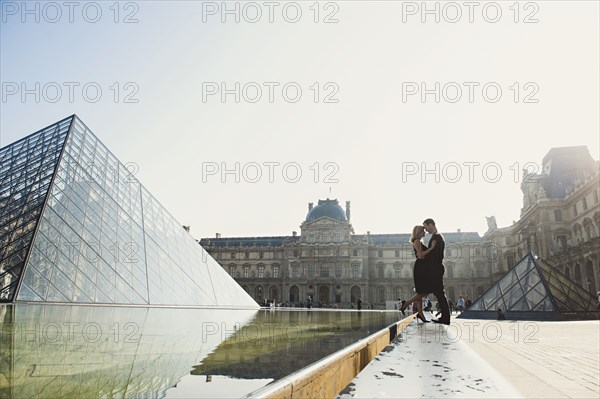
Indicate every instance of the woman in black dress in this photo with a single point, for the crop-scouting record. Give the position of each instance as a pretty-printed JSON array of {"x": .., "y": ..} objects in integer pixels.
[{"x": 420, "y": 272}]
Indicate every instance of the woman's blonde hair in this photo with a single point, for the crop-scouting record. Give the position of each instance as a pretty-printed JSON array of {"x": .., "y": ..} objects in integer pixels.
[{"x": 413, "y": 236}]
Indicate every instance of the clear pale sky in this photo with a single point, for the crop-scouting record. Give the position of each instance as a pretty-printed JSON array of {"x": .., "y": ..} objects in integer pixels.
[{"x": 365, "y": 63}]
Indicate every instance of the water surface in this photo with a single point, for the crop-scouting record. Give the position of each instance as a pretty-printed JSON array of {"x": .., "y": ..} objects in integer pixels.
[{"x": 94, "y": 351}]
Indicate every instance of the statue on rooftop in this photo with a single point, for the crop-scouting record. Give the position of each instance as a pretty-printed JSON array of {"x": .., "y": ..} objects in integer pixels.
[{"x": 491, "y": 222}]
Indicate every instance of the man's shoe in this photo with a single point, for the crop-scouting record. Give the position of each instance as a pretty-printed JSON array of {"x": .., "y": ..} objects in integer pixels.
[{"x": 441, "y": 321}]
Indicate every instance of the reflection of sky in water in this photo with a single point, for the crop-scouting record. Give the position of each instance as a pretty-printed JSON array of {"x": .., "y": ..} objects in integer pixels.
[{"x": 92, "y": 351}]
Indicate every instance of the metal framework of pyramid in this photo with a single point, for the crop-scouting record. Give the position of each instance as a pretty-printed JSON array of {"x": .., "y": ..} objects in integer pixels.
[
  {"x": 77, "y": 227},
  {"x": 534, "y": 290}
]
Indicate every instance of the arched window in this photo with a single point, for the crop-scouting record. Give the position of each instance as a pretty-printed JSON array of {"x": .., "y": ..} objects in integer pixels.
[
  {"x": 258, "y": 294},
  {"x": 355, "y": 292},
  {"x": 450, "y": 270},
  {"x": 398, "y": 293},
  {"x": 479, "y": 270},
  {"x": 355, "y": 271},
  {"x": 380, "y": 294},
  {"x": 324, "y": 271},
  {"x": 294, "y": 294},
  {"x": 558, "y": 215},
  {"x": 588, "y": 231},
  {"x": 274, "y": 294},
  {"x": 591, "y": 281},
  {"x": 588, "y": 227},
  {"x": 578, "y": 279},
  {"x": 338, "y": 270}
]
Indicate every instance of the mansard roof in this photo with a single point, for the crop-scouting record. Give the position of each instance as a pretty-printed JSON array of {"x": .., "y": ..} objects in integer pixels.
[
  {"x": 232, "y": 242},
  {"x": 563, "y": 166},
  {"x": 329, "y": 208},
  {"x": 374, "y": 239}
]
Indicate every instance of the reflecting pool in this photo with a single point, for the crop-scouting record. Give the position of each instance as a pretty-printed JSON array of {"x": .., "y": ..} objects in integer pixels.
[{"x": 93, "y": 351}]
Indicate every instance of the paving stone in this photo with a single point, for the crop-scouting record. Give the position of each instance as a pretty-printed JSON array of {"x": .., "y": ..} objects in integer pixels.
[{"x": 483, "y": 358}]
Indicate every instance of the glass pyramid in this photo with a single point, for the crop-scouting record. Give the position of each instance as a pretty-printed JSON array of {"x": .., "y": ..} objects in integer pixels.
[
  {"x": 534, "y": 289},
  {"x": 76, "y": 226}
]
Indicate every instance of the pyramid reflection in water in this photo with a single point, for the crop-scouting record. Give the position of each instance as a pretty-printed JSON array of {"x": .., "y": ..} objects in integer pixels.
[
  {"x": 77, "y": 226},
  {"x": 57, "y": 351},
  {"x": 534, "y": 290}
]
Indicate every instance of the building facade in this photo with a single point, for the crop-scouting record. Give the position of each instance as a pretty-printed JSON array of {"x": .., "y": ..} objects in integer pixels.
[
  {"x": 559, "y": 221},
  {"x": 334, "y": 266},
  {"x": 560, "y": 218}
]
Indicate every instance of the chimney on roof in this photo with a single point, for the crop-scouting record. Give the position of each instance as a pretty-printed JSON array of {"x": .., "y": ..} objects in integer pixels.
[
  {"x": 458, "y": 230},
  {"x": 294, "y": 234},
  {"x": 310, "y": 206},
  {"x": 218, "y": 235}
]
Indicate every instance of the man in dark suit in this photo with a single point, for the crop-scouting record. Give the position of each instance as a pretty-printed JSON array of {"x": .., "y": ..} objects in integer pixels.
[{"x": 436, "y": 257}]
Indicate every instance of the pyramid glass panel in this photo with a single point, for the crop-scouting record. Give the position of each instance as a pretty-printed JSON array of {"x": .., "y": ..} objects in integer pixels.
[
  {"x": 26, "y": 170},
  {"x": 521, "y": 304},
  {"x": 508, "y": 281},
  {"x": 530, "y": 280},
  {"x": 497, "y": 303},
  {"x": 545, "y": 305},
  {"x": 534, "y": 289},
  {"x": 571, "y": 297},
  {"x": 536, "y": 295},
  {"x": 79, "y": 227},
  {"x": 488, "y": 299},
  {"x": 512, "y": 296},
  {"x": 523, "y": 268}
]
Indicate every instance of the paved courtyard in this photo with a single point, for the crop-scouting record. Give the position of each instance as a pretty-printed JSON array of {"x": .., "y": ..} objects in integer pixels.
[{"x": 486, "y": 358}]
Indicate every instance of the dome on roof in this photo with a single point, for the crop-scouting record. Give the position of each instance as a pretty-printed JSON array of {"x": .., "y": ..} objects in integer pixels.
[{"x": 329, "y": 208}]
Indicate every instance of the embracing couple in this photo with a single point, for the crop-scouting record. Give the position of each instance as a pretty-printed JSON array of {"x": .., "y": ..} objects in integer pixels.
[{"x": 428, "y": 270}]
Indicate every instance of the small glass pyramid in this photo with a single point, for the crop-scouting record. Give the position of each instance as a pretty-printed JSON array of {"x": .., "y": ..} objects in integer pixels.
[
  {"x": 533, "y": 289},
  {"x": 77, "y": 226}
]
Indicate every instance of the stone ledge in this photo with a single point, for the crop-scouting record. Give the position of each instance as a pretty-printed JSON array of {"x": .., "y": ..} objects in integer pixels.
[{"x": 327, "y": 377}]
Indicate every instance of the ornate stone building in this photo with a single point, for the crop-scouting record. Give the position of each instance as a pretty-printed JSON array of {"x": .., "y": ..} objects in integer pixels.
[
  {"x": 335, "y": 266},
  {"x": 559, "y": 221},
  {"x": 560, "y": 218}
]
